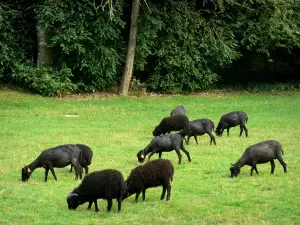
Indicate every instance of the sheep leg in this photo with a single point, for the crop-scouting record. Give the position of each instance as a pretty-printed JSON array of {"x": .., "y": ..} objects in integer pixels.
[
  {"x": 152, "y": 153},
  {"x": 90, "y": 204},
  {"x": 228, "y": 132},
  {"x": 179, "y": 155},
  {"x": 119, "y": 203},
  {"x": 187, "y": 140},
  {"x": 137, "y": 196},
  {"x": 256, "y": 170},
  {"x": 246, "y": 131},
  {"x": 212, "y": 138},
  {"x": 159, "y": 154},
  {"x": 185, "y": 151},
  {"x": 272, "y": 166},
  {"x": 221, "y": 131},
  {"x": 144, "y": 194},
  {"x": 283, "y": 164},
  {"x": 109, "y": 204},
  {"x": 195, "y": 137},
  {"x": 52, "y": 171},
  {"x": 168, "y": 191},
  {"x": 78, "y": 170},
  {"x": 86, "y": 170},
  {"x": 163, "y": 192},
  {"x": 241, "y": 130},
  {"x": 96, "y": 206},
  {"x": 71, "y": 168},
  {"x": 46, "y": 174},
  {"x": 243, "y": 127},
  {"x": 253, "y": 168}
]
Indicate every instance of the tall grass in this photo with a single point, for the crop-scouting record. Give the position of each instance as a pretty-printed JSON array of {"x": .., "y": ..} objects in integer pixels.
[{"x": 117, "y": 128}]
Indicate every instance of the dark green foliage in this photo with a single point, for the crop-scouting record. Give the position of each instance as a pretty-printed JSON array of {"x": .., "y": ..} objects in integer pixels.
[
  {"x": 182, "y": 45},
  {"x": 187, "y": 48},
  {"x": 44, "y": 80},
  {"x": 86, "y": 39},
  {"x": 263, "y": 87},
  {"x": 17, "y": 35}
]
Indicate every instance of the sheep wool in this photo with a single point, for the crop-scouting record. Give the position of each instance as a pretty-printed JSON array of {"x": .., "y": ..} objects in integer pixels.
[{"x": 155, "y": 173}]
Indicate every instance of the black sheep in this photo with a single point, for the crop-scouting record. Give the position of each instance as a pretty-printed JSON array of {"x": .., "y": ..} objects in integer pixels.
[
  {"x": 155, "y": 173},
  {"x": 179, "y": 110},
  {"x": 172, "y": 123},
  {"x": 60, "y": 156},
  {"x": 106, "y": 184},
  {"x": 87, "y": 155},
  {"x": 233, "y": 119},
  {"x": 200, "y": 127},
  {"x": 262, "y": 152},
  {"x": 165, "y": 143}
]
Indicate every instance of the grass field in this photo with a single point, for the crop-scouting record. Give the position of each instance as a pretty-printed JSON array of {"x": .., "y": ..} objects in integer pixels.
[{"x": 117, "y": 128}]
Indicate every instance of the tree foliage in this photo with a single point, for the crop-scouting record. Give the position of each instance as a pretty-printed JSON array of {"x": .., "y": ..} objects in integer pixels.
[
  {"x": 86, "y": 39},
  {"x": 182, "y": 45}
]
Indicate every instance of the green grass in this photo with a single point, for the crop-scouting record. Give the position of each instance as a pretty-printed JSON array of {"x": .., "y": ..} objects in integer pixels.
[{"x": 117, "y": 128}]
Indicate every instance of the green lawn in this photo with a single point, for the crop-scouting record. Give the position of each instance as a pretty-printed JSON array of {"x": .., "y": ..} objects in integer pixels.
[{"x": 117, "y": 128}]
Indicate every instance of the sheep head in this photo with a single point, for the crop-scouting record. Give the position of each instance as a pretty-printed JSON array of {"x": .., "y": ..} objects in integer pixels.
[
  {"x": 26, "y": 173},
  {"x": 235, "y": 170},
  {"x": 73, "y": 201},
  {"x": 141, "y": 156},
  {"x": 157, "y": 131},
  {"x": 128, "y": 189}
]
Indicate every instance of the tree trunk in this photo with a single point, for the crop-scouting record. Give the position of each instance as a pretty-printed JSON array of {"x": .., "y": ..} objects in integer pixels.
[
  {"x": 44, "y": 57},
  {"x": 127, "y": 73}
]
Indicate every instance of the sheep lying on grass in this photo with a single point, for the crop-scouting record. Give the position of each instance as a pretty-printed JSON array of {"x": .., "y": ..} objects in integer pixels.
[
  {"x": 165, "y": 143},
  {"x": 262, "y": 152},
  {"x": 60, "y": 156},
  {"x": 87, "y": 155},
  {"x": 155, "y": 173},
  {"x": 106, "y": 184}
]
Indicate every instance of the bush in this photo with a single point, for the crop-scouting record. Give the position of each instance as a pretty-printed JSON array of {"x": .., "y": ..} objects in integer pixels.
[{"x": 44, "y": 80}]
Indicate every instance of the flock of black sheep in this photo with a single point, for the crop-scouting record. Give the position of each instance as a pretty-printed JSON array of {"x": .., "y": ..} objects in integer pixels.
[{"x": 109, "y": 184}]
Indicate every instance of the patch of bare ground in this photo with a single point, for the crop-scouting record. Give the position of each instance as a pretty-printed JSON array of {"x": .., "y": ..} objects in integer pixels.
[
  {"x": 102, "y": 95},
  {"x": 70, "y": 115}
]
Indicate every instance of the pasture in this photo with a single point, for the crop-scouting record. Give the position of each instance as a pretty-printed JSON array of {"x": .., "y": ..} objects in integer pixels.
[{"x": 117, "y": 128}]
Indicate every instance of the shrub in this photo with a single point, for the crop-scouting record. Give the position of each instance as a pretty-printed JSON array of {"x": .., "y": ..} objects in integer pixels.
[{"x": 44, "y": 80}]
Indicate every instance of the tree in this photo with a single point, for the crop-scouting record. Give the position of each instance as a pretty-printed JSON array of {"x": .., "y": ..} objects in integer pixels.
[
  {"x": 127, "y": 73},
  {"x": 44, "y": 54}
]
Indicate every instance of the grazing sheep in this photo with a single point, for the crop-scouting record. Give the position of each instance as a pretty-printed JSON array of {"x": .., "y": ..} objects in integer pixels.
[
  {"x": 165, "y": 143},
  {"x": 172, "y": 123},
  {"x": 152, "y": 174},
  {"x": 60, "y": 156},
  {"x": 106, "y": 184},
  {"x": 262, "y": 152},
  {"x": 87, "y": 155},
  {"x": 179, "y": 110},
  {"x": 232, "y": 119},
  {"x": 200, "y": 127}
]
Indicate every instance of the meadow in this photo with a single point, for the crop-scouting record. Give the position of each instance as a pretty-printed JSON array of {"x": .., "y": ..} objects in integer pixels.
[{"x": 117, "y": 128}]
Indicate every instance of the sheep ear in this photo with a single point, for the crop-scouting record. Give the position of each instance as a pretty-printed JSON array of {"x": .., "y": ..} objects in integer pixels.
[
  {"x": 232, "y": 164},
  {"x": 142, "y": 156},
  {"x": 72, "y": 194}
]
